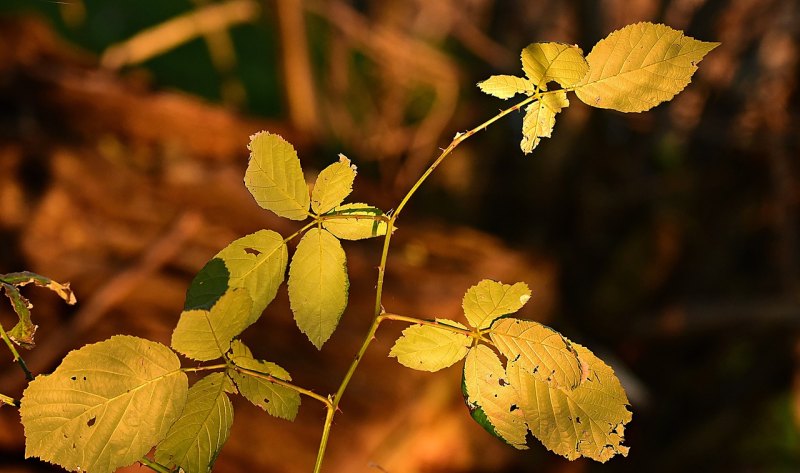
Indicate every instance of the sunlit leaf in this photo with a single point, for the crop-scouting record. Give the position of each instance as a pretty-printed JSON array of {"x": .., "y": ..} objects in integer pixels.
[
  {"x": 540, "y": 350},
  {"x": 206, "y": 334},
  {"x": 275, "y": 178},
  {"x": 208, "y": 286},
  {"x": 105, "y": 406},
  {"x": 318, "y": 285},
  {"x": 562, "y": 63},
  {"x": 639, "y": 66},
  {"x": 540, "y": 118},
  {"x": 429, "y": 348},
  {"x": 586, "y": 421},
  {"x": 334, "y": 183},
  {"x": 24, "y": 278},
  {"x": 257, "y": 262},
  {"x": 196, "y": 438},
  {"x": 487, "y": 391},
  {"x": 505, "y": 87},
  {"x": 277, "y": 400},
  {"x": 358, "y": 226},
  {"x": 488, "y": 300}
]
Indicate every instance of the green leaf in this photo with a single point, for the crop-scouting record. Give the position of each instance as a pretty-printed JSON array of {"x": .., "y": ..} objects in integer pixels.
[
  {"x": 639, "y": 66},
  {"x": 22, "y": 333},
  {"x": 206, "y": 334},
  {"x": 545, "y": 62},
  {"x": 357, "y": 226},
  {"x": 540, "y": 118},
  {"x": 196, "y": 438},
  {"x": 275, "y": 178},
  {"x": 277, "y": 400},
  {"x": 505, "y": 87},
  {"x": 105, "y": 406},
  {"x": 24, "y": 278},
  {"x": 318, "y": 285},
  {"x": 540, "y": 350},
  {"x": 586, "y": 421},
  {"x": 334, "y": 183},
  {"x": 488, "y": 300},
  {"x": 207, "y": 286},
  {"x": 429, "y": 348},
  {"x": 257, "y": 262},
  {"x": 487, "y": 388}
]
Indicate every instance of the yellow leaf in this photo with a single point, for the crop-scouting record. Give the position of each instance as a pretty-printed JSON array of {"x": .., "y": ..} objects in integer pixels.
[
  {"x": 540, "y": 118},
  {"x": 505, "y": 87},
  {"x": 358, "y": 226},
  {"x": 277, "y": 400},
  {"x": 334, "y": 183},
  {"x": 487, "y": 391},
  {"x": 545, "y": 62},
  {"x": 318, "y": 285},
  {"x": 639, "y": 66},
  {"x": 587, "y": 421},
  {"x": 275, "y": 178},
  {"x": 429, "y": 348},
  {"x": 540, "y": 350},
  {"x": 489, "y": 300}
]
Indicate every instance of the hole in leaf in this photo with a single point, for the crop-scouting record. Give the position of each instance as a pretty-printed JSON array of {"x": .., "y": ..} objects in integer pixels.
[
  {"x": 91, "y": 421},
  {"x": 266, "y": 401},
  {"x": 514, "y": 407},
  {"x": 578, "y": 420},
  {"x": 503, "y": 382},
  {"x": 84, "y": 378},
  {"x": 252, "y": 251},
  {"x": 74, "y": 378}
]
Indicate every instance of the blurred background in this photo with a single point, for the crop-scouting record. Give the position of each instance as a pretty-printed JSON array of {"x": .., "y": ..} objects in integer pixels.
[{"x": 667, "y": 241}]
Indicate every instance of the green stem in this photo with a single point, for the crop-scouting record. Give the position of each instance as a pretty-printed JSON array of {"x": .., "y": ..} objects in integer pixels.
[
  {"x": 8, "y": 400},
  {"x": 15, "y": 353},
  {"x": 305, "y": 227},
  {"x": 154, "y": 465},
  {"x": 378, "y": 311}
]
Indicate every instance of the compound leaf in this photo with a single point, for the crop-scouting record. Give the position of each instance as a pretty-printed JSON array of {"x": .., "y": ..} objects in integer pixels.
[
  {"x": 334, "y": 183},
  {"x": 257, "y": 262},
  {"x": 540, "y": 350},
  {"x": 277, "y": 400},
  {"x": 639, "y": 66},
  {"x": 540, "y": 118},
  {"x": 489, "y": 394},
  {"x": 208, "y": 285},
  {"x": 488, "y": 300},
  {"x": 429, "y": 348},
  {"x": 196, "y": 438},
  {"x": 105, "y": 406},
  {"x": 586, "y": 421},
  {"x": 206, "y": 334},
  {"x": 545, "y": 62},
  {"x": 318, "y": 285},
  {"x": 359, "y": 225},
  {"x": 505, "y": 87},
  {"x": 275, "y": 178}
]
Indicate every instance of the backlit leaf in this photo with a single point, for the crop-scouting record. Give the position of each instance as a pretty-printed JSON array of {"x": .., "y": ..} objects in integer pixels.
[
  {"x": 586, "y": 421},
  {"x": 505, "y": 87},
  {"x": 318, "y": 285},
  {"x": 277, "y": 400},
  {"x": 429, "y": 348},
  {"x": 540, "y": 350},
  {"x": 540, "y": 118},
  {"x": 207, "y": 286},
  {"x": 562, "y": 63},
  {"x": 487, "y": 390},
  {"x": 334, "y": 183},
  {"x": 195, "y": 439},
  {"x": 489, "y": 300},
  {"x": 206, "y": 334},
  {"x": 22, "y": 333},
  {"x": 358, "y": 226},
  {"x": 275, "y": 178},
  {"x": 105, "y": 406},
  {"x": 639, "y": 66},
  {"x": 257, "y": 262}
]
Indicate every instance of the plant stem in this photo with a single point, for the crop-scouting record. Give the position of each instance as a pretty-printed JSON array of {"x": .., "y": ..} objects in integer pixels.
[
  {"x": 280, "y": 382},
  {"x": 15, "y": 353},
  {"x": 8, "y": 400},
  {"x": 377, "y": 319},
  {"x": 154, "y": 465}
]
